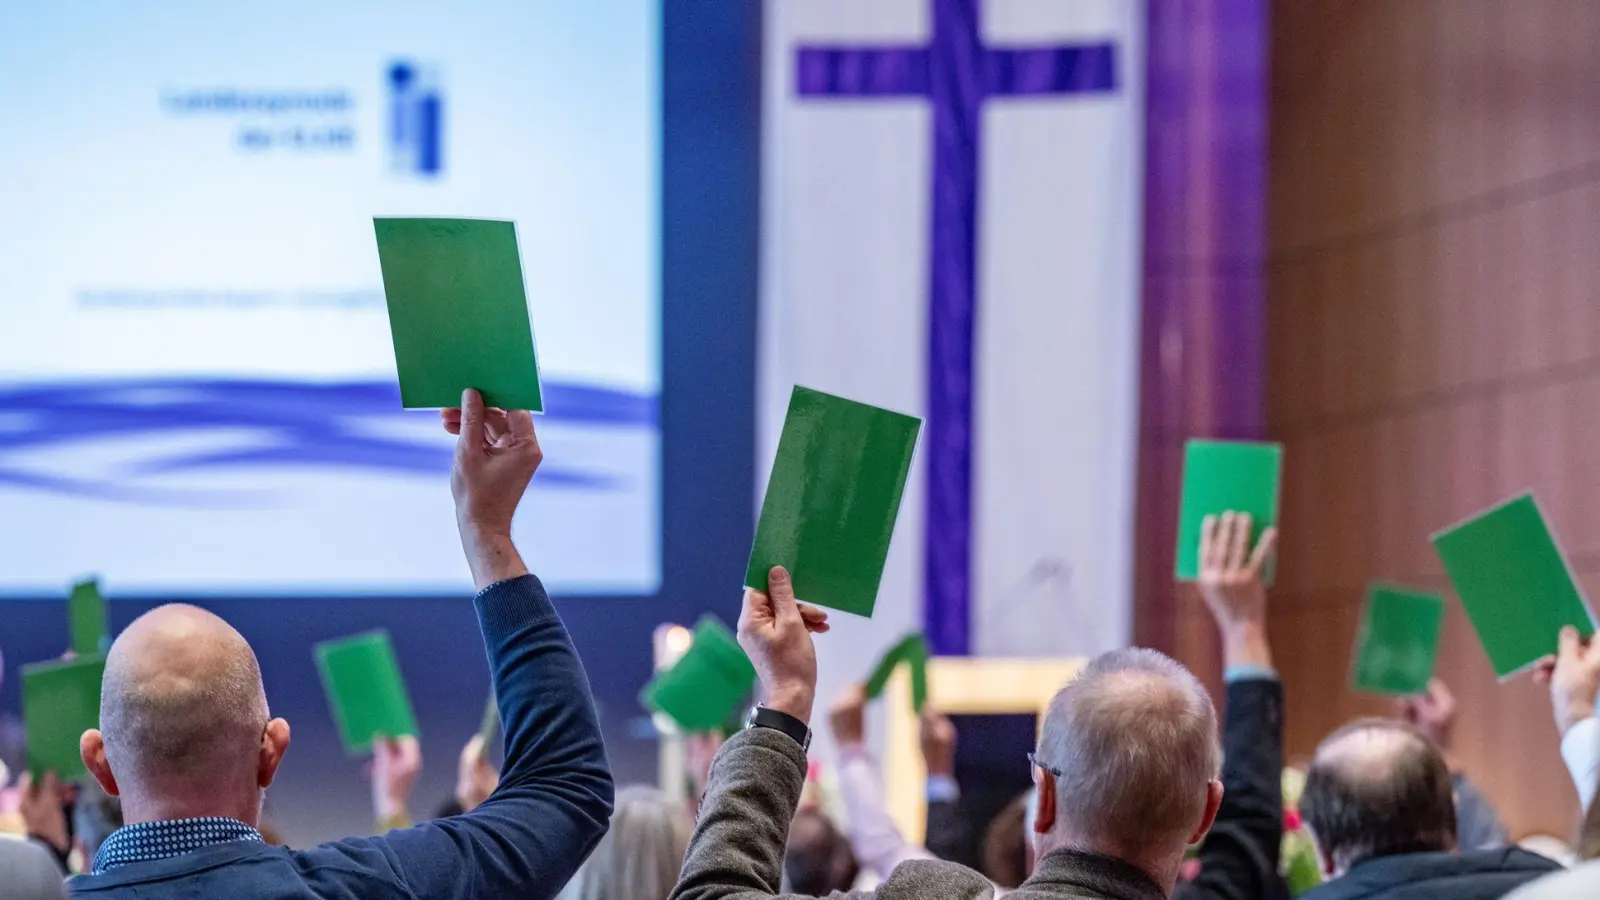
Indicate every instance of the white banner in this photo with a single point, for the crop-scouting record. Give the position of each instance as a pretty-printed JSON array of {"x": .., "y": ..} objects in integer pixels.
[{"x": 853, "y": 116}]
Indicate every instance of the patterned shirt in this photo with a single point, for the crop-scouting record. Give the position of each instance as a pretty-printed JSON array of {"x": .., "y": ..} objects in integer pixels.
[{"x": 150, "y": 841}]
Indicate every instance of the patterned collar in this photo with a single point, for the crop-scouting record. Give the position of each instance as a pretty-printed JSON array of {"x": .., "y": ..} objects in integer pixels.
[{"x": 150, "y": 841}]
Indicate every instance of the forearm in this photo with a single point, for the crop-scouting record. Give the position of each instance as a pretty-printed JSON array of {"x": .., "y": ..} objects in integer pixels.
[
  {"x": 737, "y": 849},
  {"x": 492, "y": 557},
  {"x": 1240, "y": 855},
  {"x": 1580, "y": 750},
  {"x": 1244, "y": 645},
  {"x": 877, "y": 842}
]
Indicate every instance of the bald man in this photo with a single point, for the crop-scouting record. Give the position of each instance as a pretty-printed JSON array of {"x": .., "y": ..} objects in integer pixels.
[
  {"x": 1127, "y": 765},
  {"x": 187, "y": 742},
  {"x": 1379, "y": 805}
]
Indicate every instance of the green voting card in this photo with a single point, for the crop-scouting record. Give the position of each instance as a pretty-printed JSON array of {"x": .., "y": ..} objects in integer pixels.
[
  {"x": 704, "y": 688},
  {"x": 86, "y": 615},
  {"x": 365, "y": 691},
  {"x": 458, "y": 312},
  {"x": 1513, "y": 582},
  {"x": 832, "y": 499},
  {"x": 912, "y": 650},
  {"x": 1223, "y": 476},
  {"x": 1398, "y": 641},
  {"x": 60, "y": 701}
]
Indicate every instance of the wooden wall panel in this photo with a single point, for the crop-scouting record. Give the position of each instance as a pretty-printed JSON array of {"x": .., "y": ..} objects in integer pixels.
[{"x": 1434, "y": 333}]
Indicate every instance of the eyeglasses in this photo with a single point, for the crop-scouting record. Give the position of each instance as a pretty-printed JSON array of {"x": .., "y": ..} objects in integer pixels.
[{"x": 1034, "y": 761}]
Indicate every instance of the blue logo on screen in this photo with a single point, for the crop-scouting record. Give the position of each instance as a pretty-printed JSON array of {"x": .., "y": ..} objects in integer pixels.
[{"x": 416, "y": 121}]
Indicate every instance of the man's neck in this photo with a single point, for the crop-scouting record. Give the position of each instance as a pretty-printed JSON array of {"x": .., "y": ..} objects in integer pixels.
[
  {"x": 1162, "y": 868},
  {"x": 138, "y": 809}
]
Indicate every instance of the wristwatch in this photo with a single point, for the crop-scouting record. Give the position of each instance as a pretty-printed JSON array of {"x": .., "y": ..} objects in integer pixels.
[{"x": 761, "y": 717}]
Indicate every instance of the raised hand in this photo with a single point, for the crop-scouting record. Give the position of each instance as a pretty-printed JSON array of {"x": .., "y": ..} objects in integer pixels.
[
  {"x": 848, "y": 717},
  {"x": 1231, "y": 586},
  {"x": 396, "y": 763},
  {"x": 1574, "y": 678},
  {"x": 775, "y": 631},
  {"x": 44, "y": 811},
  {"x": 496, "y": 455},
  {"x": 1433, "y": 713},
  {"x": 938, "y": 742}
]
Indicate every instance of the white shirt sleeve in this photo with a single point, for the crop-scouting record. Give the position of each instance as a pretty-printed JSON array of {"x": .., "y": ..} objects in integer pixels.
[
  {"x": 1580, "y": 750},
  {"x": 878, "y": 844}
]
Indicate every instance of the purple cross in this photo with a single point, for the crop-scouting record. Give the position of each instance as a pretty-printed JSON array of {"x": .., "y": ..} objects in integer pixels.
[{"x": 956, "y": 72}]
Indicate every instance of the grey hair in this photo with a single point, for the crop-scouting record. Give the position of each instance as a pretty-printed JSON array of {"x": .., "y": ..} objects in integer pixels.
[
  {"x": 640, "y": 856},
  {"x": 1135, "y": 736},
  {"x": 167, "y": 722}
]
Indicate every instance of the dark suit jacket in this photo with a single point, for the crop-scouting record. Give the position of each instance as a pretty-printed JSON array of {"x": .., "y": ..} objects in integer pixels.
[
  {"x": 737, "y": 849},
  {"x": 1478, "y": 875}
]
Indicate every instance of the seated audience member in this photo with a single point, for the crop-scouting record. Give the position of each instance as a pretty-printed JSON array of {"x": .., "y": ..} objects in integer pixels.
[
  {"x": 1433, "y": 713},
  {"x": 188, "y": 744},
  {"x": 640, "y": 855},
  {"x": 476, "y": 779},
  {"x": 1126, "y": 767},
  {"x": 94, "y": 816},
  {"x": 1574, "y": 679},
  {"x": 817, "y": 859},
  {"x": 1379, "y": 805},
  {"x": 875, "y": 839},
  {"x": 29, "y": 872},
  {"x": 1005, "y": 845}
]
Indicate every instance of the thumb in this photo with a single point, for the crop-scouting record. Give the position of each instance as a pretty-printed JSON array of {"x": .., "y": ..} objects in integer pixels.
[
  {"x": 1570, "y": 647},
  {"x": 781, "y": 590},
  {"x": 472, "y": 418}
]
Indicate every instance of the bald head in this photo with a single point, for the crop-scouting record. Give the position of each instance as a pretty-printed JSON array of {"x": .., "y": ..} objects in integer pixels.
[
  {"x": 1377, "y": 787},
  {"x": 1135, "y": 737},
  {"x": 182, "y": 709}
]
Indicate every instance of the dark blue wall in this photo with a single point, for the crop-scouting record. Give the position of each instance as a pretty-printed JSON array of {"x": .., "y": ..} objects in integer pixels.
[{"x": 710, "y": 196}]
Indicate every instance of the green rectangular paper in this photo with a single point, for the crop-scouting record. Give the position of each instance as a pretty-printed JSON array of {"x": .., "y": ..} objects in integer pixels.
[
  {"x": 917, "y": 658},
  {"x": 1223, "y": 476},
  {"x": 891, "y": 660},
  {"x": 86, "y": 615},
  {"x": 706, "y": 685},
  {"x": 1514, "y": 583},
  {"x": 832, "y": 499},
  {"x": 365, "y": 691},
  {"x": 458, "y": 312},
  {"x": 60, "y": 701},
  {"x": 1398, "y": 641}
]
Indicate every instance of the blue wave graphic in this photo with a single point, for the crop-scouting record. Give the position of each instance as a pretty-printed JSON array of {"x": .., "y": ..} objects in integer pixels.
[{"x": 300, "y": 425}]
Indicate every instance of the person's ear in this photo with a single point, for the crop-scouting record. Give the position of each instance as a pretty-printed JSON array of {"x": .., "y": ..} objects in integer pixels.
[
  {"x": 92, "y": 747},
  {"x": 1044, "y": 814},
  {"x": 274, "y": 744},
  {"x": 1213, "y": 803}
]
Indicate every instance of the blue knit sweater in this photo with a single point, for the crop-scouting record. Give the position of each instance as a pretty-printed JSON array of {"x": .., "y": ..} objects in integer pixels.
[{"x": 524, "y": 842}]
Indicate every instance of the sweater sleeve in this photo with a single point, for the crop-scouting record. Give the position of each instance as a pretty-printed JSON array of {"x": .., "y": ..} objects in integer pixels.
[
  {"x": 1239, "y": 858},
  {"x": 736, "y": 852},
  {"x": 554, "y": 798}
]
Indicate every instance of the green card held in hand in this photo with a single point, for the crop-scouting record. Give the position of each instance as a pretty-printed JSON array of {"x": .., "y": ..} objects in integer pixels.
[
  {"x": 1398, "y": 641},
  {"x": 1223, "y": 476},
  {"x": 86, "y": 615},
  {"x": 60, "y": 701},
  {"x": 912, "y": 650},
  {"x": 832, "y": 499},
  {"x": 365, "y": 691},
  {"x": 458, "y": 311},
  {"x": 704, "y": 688},
  {"x": 1513, "y": 582}
]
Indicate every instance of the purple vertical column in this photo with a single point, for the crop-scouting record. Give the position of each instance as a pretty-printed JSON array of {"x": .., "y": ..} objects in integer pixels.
[{"x": 1202, "y": 369}]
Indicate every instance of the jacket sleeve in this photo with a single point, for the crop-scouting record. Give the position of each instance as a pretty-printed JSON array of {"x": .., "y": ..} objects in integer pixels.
[
  {"x": 874, "y": 838},
  {"x": 949, "y": 834},
  {"x": 554, "y": 798},
  {"x": 736, "y": 852},
  {"x": 1239, "y": 858}
]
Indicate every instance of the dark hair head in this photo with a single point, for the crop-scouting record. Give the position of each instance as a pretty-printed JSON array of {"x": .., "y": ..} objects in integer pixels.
[
  {"x": 1005, "y": 845},
  {"x": 1378, "y": 787},
  {"x": 818, "y": 859}
]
